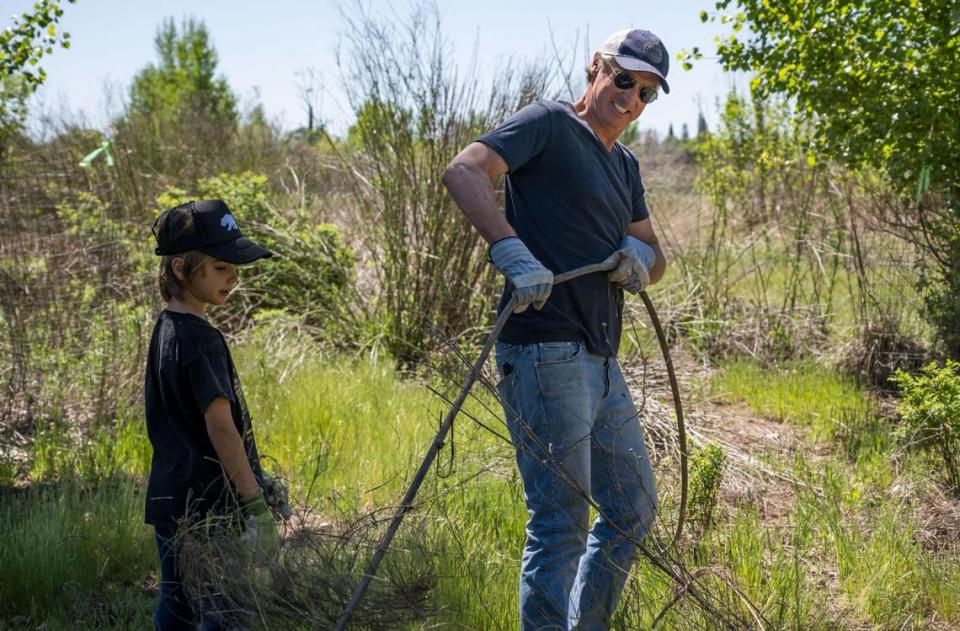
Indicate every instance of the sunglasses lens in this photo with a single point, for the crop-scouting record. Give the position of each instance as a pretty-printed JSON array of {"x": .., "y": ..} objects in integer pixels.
[
  {"x": 648, "y": 94},
  {"x": 624, "y": 81}
]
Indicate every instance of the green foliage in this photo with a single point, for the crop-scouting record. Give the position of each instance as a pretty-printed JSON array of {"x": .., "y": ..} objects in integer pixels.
[
  {"x": 311, "y": 276},
  {"x": 758, "y": 175},
  {"x": 706, "y": 473},
  {"x": 185, "y": 77},
  {"x": 940, "y": 286},
  {"x": 930, "y": 409},
  {"x": 23, "y": 44},
  {"x": 182, "y": 116},
  {"x": 74, "y": 323},
  {"x": 880, "y": 83},
  {"x": 880, "y": 79}
]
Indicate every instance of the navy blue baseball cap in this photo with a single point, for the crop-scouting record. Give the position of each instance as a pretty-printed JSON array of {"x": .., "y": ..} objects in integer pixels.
[
  {"x": 639, "y": 51},
  {"x": 207, "y": 226}
]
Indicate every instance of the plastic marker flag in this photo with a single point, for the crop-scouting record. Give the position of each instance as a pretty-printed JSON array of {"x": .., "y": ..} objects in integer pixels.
[{"x": 104, "y": 148}]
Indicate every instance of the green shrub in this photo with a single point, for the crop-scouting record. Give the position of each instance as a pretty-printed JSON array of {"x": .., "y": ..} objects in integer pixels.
[
  {"x": 312, "y": 272},
  {"x": 930, "y": 410},
  {"x": 706, "y": 472}
]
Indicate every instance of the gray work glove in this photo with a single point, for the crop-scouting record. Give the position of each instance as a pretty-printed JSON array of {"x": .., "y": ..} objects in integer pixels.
[
  {"x": 634, "y": 261},
  {"x": 531, "y": 281}
]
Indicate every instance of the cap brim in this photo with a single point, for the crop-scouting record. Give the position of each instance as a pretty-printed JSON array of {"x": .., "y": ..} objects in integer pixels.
[
  {"x": 635, "y": 65},
  {"x": 239, "y": 251}
]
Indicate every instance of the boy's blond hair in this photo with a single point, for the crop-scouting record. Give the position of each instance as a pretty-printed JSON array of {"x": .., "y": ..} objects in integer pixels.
[{"x": 170, "y": 286}]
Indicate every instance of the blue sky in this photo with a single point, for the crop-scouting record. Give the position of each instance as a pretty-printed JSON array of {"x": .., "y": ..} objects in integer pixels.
[{"x": 262, "y": 45}]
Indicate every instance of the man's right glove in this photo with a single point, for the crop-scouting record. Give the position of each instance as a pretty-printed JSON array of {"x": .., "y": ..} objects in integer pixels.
[
  {"x": 531, "y": 281},
  {"x": 260, "y": 530},
  {"x": 634, "y": 261}
]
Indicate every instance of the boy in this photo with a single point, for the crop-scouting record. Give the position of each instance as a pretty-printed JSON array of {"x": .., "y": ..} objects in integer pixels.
[{"x": 205, "y": 459}]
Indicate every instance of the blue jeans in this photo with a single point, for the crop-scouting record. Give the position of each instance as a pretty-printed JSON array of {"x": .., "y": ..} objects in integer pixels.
[
  {"x": 174, "y": 611},
  {"x": 577, "y": 435}
]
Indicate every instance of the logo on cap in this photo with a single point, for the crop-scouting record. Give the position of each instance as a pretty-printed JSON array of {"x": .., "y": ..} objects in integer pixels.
[
  {"x": 228, "y": 222},
  {"x": 651, "y": 48}
]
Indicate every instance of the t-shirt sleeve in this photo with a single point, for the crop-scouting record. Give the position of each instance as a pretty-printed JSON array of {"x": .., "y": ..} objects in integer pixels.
[
  {"x": 639, "y": 210},
  {"x": 210, "y": 378},
  {"x": 522, "y": 137}
]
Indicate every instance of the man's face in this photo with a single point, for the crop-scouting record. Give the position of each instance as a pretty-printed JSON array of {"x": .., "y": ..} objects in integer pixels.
[{"x": 613, "y": 108}]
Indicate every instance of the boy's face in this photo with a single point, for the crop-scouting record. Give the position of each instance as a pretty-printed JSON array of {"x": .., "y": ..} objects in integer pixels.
[{"x": 213, "y": 281}]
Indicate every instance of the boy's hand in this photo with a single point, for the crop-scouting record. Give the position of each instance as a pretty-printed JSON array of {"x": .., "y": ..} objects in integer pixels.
[{"x": 260, "y": 533}]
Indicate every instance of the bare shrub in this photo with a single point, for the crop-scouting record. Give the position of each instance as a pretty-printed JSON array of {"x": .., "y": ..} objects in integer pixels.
[
  {"x": 414, "y": 113},
  {"x": 310, "y": 580},
  {"x": 73, "y": 307}
]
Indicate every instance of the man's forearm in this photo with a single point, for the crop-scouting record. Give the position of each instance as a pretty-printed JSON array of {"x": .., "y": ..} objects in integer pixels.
[
  {"x": 472, "y": 190},
  {"x": 659, "y": 266}
]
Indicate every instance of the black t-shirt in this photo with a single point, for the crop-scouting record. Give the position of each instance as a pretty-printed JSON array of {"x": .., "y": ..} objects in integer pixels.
[
  {"x": 188, "y": 367},
  {"x": 570, "y": 201}
]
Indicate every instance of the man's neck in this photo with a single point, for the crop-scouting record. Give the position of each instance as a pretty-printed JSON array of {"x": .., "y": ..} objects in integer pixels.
[{"x": 580, "y": 107}]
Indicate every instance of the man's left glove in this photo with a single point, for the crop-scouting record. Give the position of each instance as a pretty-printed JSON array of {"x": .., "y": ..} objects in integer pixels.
[
  {"x": 634, "y": 261},
  {"x": 260, "y": 530}
]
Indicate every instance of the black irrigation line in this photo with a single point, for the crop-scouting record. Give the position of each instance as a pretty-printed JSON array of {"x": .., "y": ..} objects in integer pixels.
[{"x": 406, "y": 505}]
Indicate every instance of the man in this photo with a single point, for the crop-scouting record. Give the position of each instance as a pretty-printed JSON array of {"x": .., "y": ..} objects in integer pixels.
[{"x": 573, "y": 197}]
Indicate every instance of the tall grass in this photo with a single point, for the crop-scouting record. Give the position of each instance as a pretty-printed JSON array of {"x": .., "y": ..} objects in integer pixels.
[
  {"x": 76, "y": 556},
  {"x": 348, "y": 433}
]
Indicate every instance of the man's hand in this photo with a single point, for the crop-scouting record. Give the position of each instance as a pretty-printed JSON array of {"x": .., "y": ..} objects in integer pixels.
[
  {"x": 260, "y": 530},
  {"x": 634, "y": 260},
  {"x": 531, "y": 281}
]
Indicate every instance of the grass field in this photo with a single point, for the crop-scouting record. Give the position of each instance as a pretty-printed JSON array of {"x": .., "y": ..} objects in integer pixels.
[{"x": 846, "y": 552}]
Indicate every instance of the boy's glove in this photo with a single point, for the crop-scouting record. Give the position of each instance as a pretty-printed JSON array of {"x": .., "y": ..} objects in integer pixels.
[
  {"x": 276, "y": 496},
  {"x": 634, "y": 261},
  {"x": 260, "y": 530},
  {"x": 531, "y": 281}
]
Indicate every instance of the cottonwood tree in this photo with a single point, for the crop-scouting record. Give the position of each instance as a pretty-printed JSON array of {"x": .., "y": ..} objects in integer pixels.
[
  {"x": 23, "y": 45},
  {"x": 880, "y": 81},
  {"x": 181, "y": 112}
]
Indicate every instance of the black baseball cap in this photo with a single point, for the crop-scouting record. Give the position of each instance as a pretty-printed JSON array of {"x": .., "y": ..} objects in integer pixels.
[
  {"x": 639, "y": 51},
  {"x": 207, "y": 226}
]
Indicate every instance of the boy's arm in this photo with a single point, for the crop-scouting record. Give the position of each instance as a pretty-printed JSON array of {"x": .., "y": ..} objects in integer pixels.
[{"x": 229, "y": 447}]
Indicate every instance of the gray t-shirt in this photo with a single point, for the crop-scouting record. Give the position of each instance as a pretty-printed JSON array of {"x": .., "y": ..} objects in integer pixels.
[{"x": 570, "y": 201}]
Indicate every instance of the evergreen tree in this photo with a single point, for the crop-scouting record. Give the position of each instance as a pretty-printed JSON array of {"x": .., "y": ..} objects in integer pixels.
[{"x": 702, "y": 130}]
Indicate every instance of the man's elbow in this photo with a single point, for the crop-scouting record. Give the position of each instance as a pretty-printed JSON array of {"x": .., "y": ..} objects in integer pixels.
[{"x": 453, "y": 174}]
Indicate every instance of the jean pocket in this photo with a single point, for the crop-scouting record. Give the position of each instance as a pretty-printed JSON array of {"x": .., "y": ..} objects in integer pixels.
[{"x": 549, "y": 353}]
